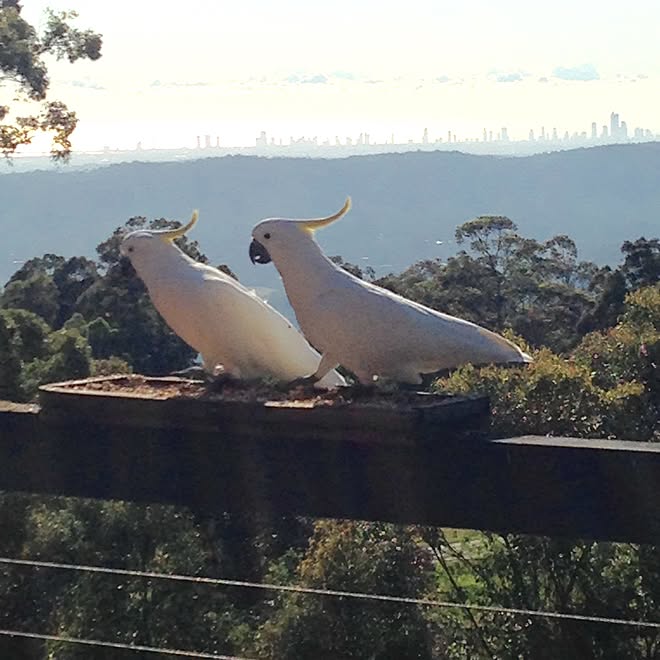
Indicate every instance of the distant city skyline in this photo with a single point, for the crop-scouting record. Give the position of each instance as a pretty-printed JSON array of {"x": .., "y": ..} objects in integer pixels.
[
  {"x": 615, "y": 131},
  {"x": 296, "y": 68},
  {"x": 491, "y": 142}
]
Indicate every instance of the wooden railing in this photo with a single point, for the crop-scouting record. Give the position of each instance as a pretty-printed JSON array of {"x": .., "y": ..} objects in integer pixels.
[{"x": 594, "y": 489}]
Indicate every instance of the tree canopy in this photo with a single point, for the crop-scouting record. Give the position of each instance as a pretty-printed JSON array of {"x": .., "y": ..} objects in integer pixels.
[
  {"x": 24, "y": 76},
  {"x": 502, "y": 280}
]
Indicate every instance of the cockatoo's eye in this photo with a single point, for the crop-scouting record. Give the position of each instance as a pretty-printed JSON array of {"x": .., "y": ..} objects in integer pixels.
[
  {"x": 267, "y": 235},
  {"x": 131, "y": 249}
]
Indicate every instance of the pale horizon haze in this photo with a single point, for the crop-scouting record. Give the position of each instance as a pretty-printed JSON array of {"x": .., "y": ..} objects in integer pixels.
[{"x": 172, "y": 71}]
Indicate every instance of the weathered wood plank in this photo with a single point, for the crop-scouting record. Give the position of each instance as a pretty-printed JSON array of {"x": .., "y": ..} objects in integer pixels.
[
  {"x": 367, "y": 421},
  {"x": 596, "y": 489}
]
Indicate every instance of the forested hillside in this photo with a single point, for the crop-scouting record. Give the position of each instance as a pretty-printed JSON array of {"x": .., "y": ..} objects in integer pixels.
[{"x": 406, "y": 206}]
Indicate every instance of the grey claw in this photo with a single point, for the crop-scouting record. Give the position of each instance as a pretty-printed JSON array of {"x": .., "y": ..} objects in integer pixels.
[
  {"x": 218, "y": 381},
  {"x": 195, "y": 372},
  {"x": 303, "y": 381}
]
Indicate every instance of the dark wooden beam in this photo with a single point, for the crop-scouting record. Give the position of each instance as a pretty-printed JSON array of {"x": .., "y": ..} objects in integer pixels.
[{"x": 593, "y": 489}]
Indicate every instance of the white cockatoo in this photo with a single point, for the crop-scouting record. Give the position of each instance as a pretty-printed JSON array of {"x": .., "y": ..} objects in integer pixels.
[
  {"x": 373, "y": 332},
  {"x": 236, "y": 332}
]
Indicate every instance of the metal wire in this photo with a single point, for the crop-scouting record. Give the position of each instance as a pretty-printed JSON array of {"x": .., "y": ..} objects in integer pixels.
[
  {"x": 587, "y": 618},
  {"x": 117, "y": 645}
]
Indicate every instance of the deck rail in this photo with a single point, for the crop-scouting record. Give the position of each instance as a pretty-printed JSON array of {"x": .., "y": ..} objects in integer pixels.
[{"x": 593, "y": 489}]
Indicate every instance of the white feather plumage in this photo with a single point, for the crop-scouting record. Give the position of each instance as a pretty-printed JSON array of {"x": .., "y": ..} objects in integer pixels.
[
  {"x": 227, "y": 323},
  {"x": 367, "y": 329}
]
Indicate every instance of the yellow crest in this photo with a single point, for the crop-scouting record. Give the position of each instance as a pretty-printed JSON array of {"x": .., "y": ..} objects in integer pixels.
[
  {"x": 319, "y": 223},
  {"x": 171, "y": 234}
]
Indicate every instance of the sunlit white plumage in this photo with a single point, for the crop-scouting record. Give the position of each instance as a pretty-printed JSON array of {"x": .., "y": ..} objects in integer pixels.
[
  {"x": 229, "y": 325},
  {"x": 369, "y": 330}
]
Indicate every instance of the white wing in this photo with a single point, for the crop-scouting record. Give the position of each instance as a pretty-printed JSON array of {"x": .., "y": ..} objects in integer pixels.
[
  {"x": 232, "y": 326},
  {"x": 374, "y": 331}
]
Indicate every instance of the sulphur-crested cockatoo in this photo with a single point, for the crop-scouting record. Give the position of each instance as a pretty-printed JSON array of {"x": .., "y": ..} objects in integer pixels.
[
  {"x": 373, "y": 332},
  {"x": 235, "y": 331}
]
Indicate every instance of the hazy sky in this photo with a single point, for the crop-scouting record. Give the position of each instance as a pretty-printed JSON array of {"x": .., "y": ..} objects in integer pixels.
[{"x": 171, "y": 71}]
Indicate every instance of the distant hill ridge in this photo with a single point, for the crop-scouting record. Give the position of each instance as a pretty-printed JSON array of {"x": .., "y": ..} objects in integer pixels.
[{"x": 403, "y": 204}]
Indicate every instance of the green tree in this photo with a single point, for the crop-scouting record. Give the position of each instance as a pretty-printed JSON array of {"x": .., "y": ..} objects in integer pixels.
[
  {"x": 640, "y": 268},
  {"x": 102, "y": 338},
  {"x": 608, "y": 306},
  {"x": 629, "y": 353},
  {"x": 371, "y": 558},
  {"x": 144, "y": 611},
  {"x": 607, "y": 387},
  {"x": 38, "y": 294},
  {"x": 641, "y": 265},
  {"x": 50, "y": 286},
  {"x": 492, "y": 238},
  {"x": 33, "y": 354},
  {"x": 17, "y": 604},
  {"x": 24, "y": 75},
  {"x": 523, "y": 572},
  {"x": 10, "y": 363},
  {"x": 504, "y": 280},
  {"x": 69, "y": 358},
  {"x": 30, "y": 333}
]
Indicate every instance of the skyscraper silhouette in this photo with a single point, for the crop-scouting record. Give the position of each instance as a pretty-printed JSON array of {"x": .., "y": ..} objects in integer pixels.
[{"x": 614, "y": 125}]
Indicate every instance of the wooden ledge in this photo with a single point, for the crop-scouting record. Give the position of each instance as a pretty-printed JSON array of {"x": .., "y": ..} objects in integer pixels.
[
  {"x": 173, "y": 403},
  {"x": 215, "y": 458}
]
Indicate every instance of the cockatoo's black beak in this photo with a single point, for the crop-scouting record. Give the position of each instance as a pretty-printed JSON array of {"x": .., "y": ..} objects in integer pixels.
[{"x": 258, "y": 253}]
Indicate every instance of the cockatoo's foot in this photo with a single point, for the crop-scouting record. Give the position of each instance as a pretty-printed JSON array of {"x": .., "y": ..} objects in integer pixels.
[
  {"x": 219, "y": 381},
  {"x": 303, "y": 381},
  {"x": 358, "y": 390},
  {"x": 382, "y": 386},
  {"x": 196, "y": 372},
  {"x": 410, "y": 383},
  {"x": 407, "y": 387}
]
